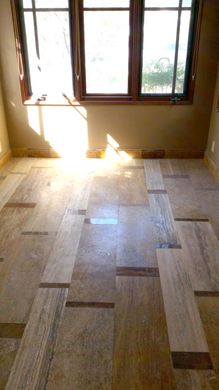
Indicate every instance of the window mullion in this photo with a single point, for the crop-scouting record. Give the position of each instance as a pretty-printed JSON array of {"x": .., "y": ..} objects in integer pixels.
[
  {"x": 136, "y": 49},
  {"x": 177, "y": 47},
  {"x": 36, "y": 31}
]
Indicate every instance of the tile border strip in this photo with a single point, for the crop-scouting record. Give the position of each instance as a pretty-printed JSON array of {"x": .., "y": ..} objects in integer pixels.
[{"x": 192, "y": 360}]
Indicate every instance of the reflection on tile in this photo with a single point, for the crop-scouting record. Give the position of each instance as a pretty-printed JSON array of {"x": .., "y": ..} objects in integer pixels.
[
  {"x": 75, "y": 211},
  {"x": 133, "y": 167},
  {"x": 168, "y": 246},
  {"x": 101, "y": 221}
]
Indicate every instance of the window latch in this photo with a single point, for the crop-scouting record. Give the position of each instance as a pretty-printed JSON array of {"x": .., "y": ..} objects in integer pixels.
[{"x": 175, "y": 100}]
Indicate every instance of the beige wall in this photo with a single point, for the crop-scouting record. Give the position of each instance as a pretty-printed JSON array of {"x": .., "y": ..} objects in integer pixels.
[
  {"x": 133, "y": 126},
  {"x": 4, "y": 142},
  {"x": 214, "y": 128}
]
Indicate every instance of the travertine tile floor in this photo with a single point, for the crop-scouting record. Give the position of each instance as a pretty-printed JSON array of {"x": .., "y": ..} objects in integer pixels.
[{"x": 109, "y": 275}]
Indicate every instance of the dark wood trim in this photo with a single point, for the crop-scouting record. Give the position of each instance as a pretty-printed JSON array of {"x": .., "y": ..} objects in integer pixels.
[
  {"x": 135, "y": 58},
  {"x": 193, "y": 59}
]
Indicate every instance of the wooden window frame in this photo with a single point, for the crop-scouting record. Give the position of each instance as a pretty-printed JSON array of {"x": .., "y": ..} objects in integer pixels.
[{"x": 135, "y": 61}]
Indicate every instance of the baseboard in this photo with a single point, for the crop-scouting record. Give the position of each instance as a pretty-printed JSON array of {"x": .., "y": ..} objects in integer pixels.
[
  {"x": 27, "y": 152},
  {"x": 101, "y": 153},
  {"x": 211, "y": 166},
  {"x": 144, "y": 153},
  {"x": 5, "y": 158}
]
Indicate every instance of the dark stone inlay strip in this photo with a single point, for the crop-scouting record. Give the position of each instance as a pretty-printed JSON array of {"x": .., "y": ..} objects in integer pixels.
[
  {"x": 168, "y": 246},
  {"x": 137, "y": 271},
  {"x": 75, "y": 212},
  {"x": 157, "y": 192},
  {"x": 35, "y": 233},
  {"x": 1, "y": 259},
  {"x": 206, "y": 293},
  {"x": 192, "y": 360},
  {"x": 21, "y": 205},
  {"x": 18, "y": 173},
  {"x": 11, "y": 331},
  {"x": 54, "y": 285},
  {"x": 101, "y": 221},
  {"x": 191, "y": 219},
  {"x": 97, "y": 305},
  {"x": 176, "y": 176}
]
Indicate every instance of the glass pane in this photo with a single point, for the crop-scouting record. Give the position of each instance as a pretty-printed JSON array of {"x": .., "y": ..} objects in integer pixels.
[
  {"x": 187, "y": 3},
  {"x": 182, "y": 54},
  {"x": 55, "y": 53},
  {"x": 106, "y": 51},
  {"x": 106, "y": 3},
  {"x": 158, "y": 51},
  {"x": 33, "y": 61},
  {"x": 51, "y": 3},
  {"x": 161, "y": 3},
  {"x": 27, "y": 3}
]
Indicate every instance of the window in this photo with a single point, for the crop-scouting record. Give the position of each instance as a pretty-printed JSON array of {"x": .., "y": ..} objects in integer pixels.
[{"x": 107, "y": 50}]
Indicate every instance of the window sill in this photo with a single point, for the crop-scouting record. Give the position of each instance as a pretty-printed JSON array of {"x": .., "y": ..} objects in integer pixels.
[
  {"x": 51, "y": 101},
  {"x": 65, "y": 101}
]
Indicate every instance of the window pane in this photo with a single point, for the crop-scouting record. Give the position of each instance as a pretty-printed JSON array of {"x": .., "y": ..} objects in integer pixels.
[
  {"x": 27, "y": 3},
  {"x": 106, "y": 51},
  {"x": 187, "y": 3},
  {"x": 106, "y": 3},
  {"x": 51, "y": 3},
  {"x": 182, "y": 54},
  {"x": 55, "y": 54},
  {"x": 161, "y": 3},
  {"x": 33, "y": 61},
  {"x": 158, "y": 51}
]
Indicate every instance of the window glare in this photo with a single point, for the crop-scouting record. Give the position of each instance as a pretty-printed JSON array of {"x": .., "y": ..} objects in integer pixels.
[
  {"x": 51, "y": 73},
  {"x": 106, "y": 51},
  {"x": 27, "y": 3},
  {"x": 55, "y": 52},
  {"x": 161, "y": 3},
  {"x": 187, "y": 3},
  {"x": 51, "y": 3},
  {"x": 106, "y": 3}
]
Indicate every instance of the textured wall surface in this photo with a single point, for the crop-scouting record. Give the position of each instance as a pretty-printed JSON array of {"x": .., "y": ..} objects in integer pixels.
[
  {"x": 214, "y": 128},
  {"x": 4, "y": 143}
]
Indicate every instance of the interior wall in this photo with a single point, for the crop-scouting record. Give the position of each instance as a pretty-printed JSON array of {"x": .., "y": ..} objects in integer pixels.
[
  {"x": 4, "y": 142},
  {"x": 214, "y": 128},
  {"x": 132, "y": 126}
]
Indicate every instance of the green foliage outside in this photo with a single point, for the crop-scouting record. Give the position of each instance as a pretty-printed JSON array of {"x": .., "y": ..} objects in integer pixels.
[{"x": 158, "y": 76}]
